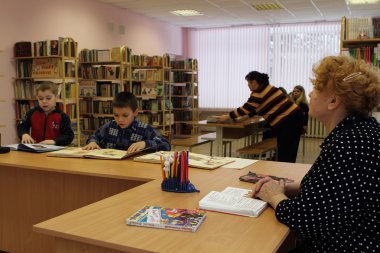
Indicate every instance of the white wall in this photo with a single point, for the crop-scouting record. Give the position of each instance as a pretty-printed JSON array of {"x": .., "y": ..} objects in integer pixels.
[{"x": 87, "y": 22}]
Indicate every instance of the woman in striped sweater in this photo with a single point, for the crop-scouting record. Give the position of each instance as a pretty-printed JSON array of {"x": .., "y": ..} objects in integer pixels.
[{"x": 283, "y": 116}]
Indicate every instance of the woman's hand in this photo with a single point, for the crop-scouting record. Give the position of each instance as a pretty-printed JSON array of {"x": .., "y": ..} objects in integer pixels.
[
  {"x": 223, "y": 118},
  {"x": 48, "y": 142},
  {"x": 270, "y": 191},
  {"x": 27, "y": 139},
  {"x": 91, "y": 146},
  {"x": 137, "y": 146}
]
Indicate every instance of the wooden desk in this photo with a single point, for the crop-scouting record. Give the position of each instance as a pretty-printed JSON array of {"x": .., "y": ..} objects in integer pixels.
[
  {"x": 238, "y": 130},
  {"x": 101, "y": 228},
  {"x": 34, "y": 188}
]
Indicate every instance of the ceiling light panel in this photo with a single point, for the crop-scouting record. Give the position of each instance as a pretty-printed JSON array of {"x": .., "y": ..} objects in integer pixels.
[{"x": 186, "y": 13}]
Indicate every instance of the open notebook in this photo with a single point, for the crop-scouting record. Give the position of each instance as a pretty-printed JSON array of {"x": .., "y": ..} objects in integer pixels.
[
  {"x": 195, "y": 160},
  {"x": 113, "y": 154},
  {"x": 34, "y": 148},
  {"x": 233, "y": 201}
]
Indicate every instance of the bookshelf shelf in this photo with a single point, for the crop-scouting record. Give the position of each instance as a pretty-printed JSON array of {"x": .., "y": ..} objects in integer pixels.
[
  {"x": 117, "y": 63},
  {"x": 150, "y": 77},
  {"x": 51, "y": 60},
  {"x": 102, "y": 115},
  {"x": 367, "y": 49},
  {"x": 184, "y": 97},
  {"x": 104, "y": 73}
]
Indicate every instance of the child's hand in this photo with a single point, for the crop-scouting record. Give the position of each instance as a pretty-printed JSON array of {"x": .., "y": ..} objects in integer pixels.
[
  {"x": 91, "y": 146},
  {"x": 27, "y": 139},
  {"x": 136, "y": 146},
  {"x": 48, "y": 142}
]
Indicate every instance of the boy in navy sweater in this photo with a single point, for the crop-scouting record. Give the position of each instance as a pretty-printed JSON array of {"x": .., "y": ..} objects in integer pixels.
[{"x": 126, "y": 132}]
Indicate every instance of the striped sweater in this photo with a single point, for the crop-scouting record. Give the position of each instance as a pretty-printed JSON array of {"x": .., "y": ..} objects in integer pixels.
[{"x": 270, "y": 103}]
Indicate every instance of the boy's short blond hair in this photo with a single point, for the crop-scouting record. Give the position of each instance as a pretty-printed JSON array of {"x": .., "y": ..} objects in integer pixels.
[{"x": 48, "y": 86}]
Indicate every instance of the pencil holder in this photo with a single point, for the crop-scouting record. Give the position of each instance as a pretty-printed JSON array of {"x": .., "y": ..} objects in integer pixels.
[
  {"x": 170, "y": 185},
  {"x": 175, "y": 173}
]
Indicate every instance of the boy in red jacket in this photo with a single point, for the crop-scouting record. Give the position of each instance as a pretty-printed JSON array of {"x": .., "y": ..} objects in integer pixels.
[{"x": 49, "y": 125}]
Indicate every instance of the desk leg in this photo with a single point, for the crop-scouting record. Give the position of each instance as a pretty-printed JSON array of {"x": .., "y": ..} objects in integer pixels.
[{"x": 219, "y": 141}]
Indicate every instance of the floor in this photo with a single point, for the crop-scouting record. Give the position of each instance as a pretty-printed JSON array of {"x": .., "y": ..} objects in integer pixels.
[{"x": 312, "y": 148}]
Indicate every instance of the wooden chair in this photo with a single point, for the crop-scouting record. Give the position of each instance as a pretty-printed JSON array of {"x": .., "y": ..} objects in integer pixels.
[{"x": 260, "y": 148}]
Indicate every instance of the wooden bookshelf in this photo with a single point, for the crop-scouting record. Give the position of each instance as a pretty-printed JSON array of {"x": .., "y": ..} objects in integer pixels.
[
  {"x": 61, "y": 68},
  {"x": 1, "y": 101},
  {"x": 104, "y": 73},
  {"x": 356, "y": 40},
  {"x": 150, "y": 85},
  {"x": 185, "y": 97}
]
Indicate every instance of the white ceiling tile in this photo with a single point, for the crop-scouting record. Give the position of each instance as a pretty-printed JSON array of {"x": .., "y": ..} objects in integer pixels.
[{"x": 239, "y": 12}]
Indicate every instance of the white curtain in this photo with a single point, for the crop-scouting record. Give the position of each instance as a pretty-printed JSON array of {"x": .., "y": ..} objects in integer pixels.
[
  {"x": 296, "y": 47},
  {"x": 286, "y": 52},
  {"x": 225, "y": 56}
]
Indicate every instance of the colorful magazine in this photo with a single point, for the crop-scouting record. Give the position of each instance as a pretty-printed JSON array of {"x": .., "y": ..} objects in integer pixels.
[{"x": 167, "y": 218}]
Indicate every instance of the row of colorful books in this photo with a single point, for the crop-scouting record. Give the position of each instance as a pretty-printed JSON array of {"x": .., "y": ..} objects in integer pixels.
[
  {"x": 370, "y": 54},
  {"x": 45, "y": 48},
  {"x": 26, "y": 89}
]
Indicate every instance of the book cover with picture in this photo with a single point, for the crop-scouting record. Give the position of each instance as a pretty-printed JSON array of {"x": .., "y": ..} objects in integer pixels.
[{"x": 167, "y": 218}]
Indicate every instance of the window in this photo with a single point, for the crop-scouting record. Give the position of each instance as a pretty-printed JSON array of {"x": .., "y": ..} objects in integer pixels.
[{"x": 286, "y": 52}]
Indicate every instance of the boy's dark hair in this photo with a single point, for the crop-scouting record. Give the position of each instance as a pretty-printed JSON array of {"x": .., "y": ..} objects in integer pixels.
[
  {"x": 125, "y": 99},
  {"x": 261, "y": 78},
  {"x": 48, "y": 86}
]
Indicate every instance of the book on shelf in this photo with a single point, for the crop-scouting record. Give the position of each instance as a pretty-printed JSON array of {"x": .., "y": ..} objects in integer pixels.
[
  {"x": 87, "y": 88},
  {"x": 195, "y": 160},
  {"x": 23, "y": 49},
  {"x": 149, "y": 90},
  {"x": 35, "y": 148},
  {"x": 232, "y": 201},
  {"x": 46, "y": 67},
  {"x": 167, "y": 218},
  {"x": 110, "y": 154}
]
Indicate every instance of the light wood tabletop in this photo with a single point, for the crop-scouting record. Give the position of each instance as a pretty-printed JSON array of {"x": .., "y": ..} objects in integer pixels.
[
  {"x": 34, "y": 188},
  {"x": 100, "y": 227}
]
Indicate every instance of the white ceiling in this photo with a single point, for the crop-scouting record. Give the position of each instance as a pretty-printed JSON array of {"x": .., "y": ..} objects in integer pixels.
[{"x": 219, "y": 13}]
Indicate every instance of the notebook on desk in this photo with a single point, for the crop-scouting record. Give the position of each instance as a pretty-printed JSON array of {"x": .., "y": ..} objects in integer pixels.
[
  {"x": 35, "y": 148},
  {"x": 233, "y": 201},
  {"x": 110, "y": 154}
]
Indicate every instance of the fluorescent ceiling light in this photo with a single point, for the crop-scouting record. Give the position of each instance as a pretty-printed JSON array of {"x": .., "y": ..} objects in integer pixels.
[
  {"x": 186, "y": 13},
  {"x": 267, "y": 7},
  {"x": 363, "y": 1}
]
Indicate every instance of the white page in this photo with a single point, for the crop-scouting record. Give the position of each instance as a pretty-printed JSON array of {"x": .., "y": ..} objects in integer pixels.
[
  {"x": 239, "y": 163},
  {"x": 217, "y": 201},
  {"x": 44, "y": 147},
  {"x": 237, "y": 192},
  {"x": 12, "y": 146}
]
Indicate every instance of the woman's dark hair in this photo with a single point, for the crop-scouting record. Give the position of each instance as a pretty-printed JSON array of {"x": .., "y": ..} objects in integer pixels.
[
  {"x": 261, "y": 78},
  {"x": 125, "y": 99}
]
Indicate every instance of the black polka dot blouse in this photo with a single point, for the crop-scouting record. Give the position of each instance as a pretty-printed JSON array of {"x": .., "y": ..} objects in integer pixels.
[{"x": 338, "y": 208}]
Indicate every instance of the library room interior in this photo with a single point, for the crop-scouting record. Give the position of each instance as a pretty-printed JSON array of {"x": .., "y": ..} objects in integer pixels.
[{"x": 189, "y": 126}]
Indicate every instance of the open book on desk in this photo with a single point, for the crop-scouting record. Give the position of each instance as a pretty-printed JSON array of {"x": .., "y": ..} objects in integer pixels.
[
  {"x": 112, "y": 154},
  {"x": 233, "y": 201},
  {"x": 34, "y": 148},
  {"x": 195, "y": 160}
]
